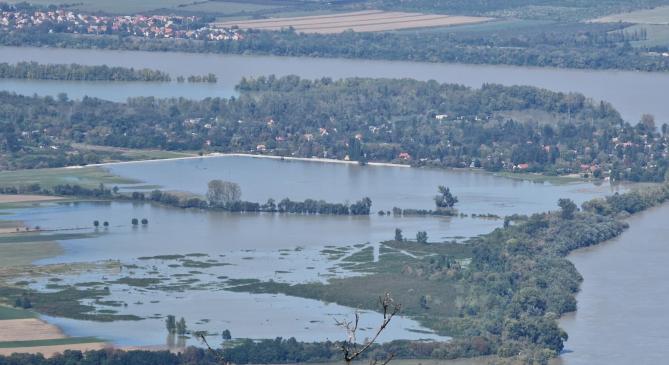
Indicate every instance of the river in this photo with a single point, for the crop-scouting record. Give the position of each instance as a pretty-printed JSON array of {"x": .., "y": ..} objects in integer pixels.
[
  {"x": 632, "y": 93},
  {"x": 283, "y": 248},
  {"x": 621, "y": 315}
]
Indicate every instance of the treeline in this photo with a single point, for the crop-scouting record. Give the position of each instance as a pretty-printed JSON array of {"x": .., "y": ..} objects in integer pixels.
[
  {"x": 209, "y": 78},
  {"x": 269, "y": 351},
  {"x": 508, "y": 297},
  {"x": 565, "y": 45},
  {"x": 308, "y": 206},
  {"x": 76, "y": 72},
  {"x": 495, "y": 128}
]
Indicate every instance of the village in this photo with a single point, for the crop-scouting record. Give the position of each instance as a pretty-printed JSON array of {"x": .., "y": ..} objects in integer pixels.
[{"x": 154, "y": 26}]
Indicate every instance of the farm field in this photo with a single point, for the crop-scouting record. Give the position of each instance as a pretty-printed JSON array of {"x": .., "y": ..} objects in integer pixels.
[
  {"x": 656, "y": 35},
  {"x": 361, "y": 21},
  {"x": 227, "y": 7},
  {"x": 659, "y": 15},
  {"x": 21, "y": 332}
]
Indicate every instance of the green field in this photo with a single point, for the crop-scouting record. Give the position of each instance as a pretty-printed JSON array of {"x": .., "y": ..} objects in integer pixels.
[
  {"x": 53, "y": 342},
  {"x": 656, "y": 35},
  {"x": 14, "y": 254},
  {"x": 225, "y": 8},
  {"x": 85, "y": 176},
  {"x": 7, "y": 313},
  {"x": 659, "y": 15}
]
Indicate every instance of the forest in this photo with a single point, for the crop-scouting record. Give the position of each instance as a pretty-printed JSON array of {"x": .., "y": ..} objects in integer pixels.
[
  {"x": 565, "y": 45},
  {"x": 76, "y": 72},
  {"x": 494, "y": 128}
]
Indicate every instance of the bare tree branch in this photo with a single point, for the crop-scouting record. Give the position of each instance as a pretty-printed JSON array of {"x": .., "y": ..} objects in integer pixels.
[
  {"x": 201, "y": 336},
  {"x": 350, "y": 346}
]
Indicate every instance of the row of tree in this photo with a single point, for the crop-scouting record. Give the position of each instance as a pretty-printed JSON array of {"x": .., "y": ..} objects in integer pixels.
[{"x": 77, "y": 72}]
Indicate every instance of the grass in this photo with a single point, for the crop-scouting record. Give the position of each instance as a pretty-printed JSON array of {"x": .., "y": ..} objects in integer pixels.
[
  {"x": 7, "y": 313},
  {"x": 51, "y": 342},
  {"x": 19, "y": 249},
  {"x": 66, "y": 303},
  {"x": 656, "y": 35},
  {"x": 659, "y": 15},
  {"x": 408, "y": 288},
  {"x": 26, "y": 253},
  {"x": 85, "y": 176}
]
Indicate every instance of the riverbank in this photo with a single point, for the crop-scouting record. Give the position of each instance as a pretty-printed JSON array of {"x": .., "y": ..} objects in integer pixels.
[{"x": 218, "y": 155}]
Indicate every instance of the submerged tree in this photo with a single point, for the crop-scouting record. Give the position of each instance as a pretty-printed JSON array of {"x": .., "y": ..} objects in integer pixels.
[
  {"x": 421, "y": 237},
  {"x": 181, "y": 327},
  {"x": 398, "y": 235},
  {"x": 445, "y": 199},
  {"x": 220, "y": 193},
  {"x": 171, "y": 324}
]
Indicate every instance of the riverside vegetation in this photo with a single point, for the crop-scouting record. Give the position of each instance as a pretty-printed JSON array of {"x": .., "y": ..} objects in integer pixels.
[
  {"x": 76, "y": 72},
  {"x": 500, "y": 293},
  {"x": 550, "y": 37},
  {"x": 221, "y": 196},
  {"x": 494, "y": 128}
]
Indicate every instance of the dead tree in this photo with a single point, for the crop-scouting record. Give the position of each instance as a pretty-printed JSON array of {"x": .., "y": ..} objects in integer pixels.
[
  {"x": 202, "y": 336},
  {"x": 351, "y": 348}
]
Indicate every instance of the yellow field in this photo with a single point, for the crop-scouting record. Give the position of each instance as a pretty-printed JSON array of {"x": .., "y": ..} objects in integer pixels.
[
  {"x": 22, "y": 198},
  {"x": 36, "y": 335},
  {"x": 361, "y": 21}
]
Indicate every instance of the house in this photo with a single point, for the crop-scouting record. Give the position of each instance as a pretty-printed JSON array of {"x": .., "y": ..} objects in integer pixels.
[
  {"x": 404, "y": 156},
  {"x": 522, "y": 166},
  {"x": 440, "y": 117},
  {"x": 261, "y": 148}
]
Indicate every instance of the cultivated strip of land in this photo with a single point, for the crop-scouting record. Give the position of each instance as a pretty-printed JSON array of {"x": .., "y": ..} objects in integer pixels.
[
  {"x": 20, "y": 332},
  {"x": 362, "y": 21}
]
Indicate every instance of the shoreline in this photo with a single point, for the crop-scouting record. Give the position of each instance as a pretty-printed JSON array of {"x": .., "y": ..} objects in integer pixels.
[{"x": 249, "y": 155}]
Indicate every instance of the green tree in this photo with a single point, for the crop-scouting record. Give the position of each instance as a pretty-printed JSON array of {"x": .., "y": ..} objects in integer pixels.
[
  {"x": 220, "y": 193},
  {"x": 421, "y": 237},
  {"x": 145, "y": 221},
  {"x": 181, "y": 327},
  {"x": 568, "y": 208},
  {"x": 226, "y": 335},
  {"x": 445, "y": 199},
  {"x": 134, "y": 221},
  {"x": 398, "y": 235},
  {"x": 96, "y": 223},
  {"x": 171, "y": 324}
]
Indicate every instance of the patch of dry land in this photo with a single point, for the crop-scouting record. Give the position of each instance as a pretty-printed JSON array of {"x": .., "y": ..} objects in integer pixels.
[
  {"x": 32, "y": 335},
  {"x": 22, "y": 198},
  {"x": 659, "y": 15},
  {"x": 360, "y": 21}
]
